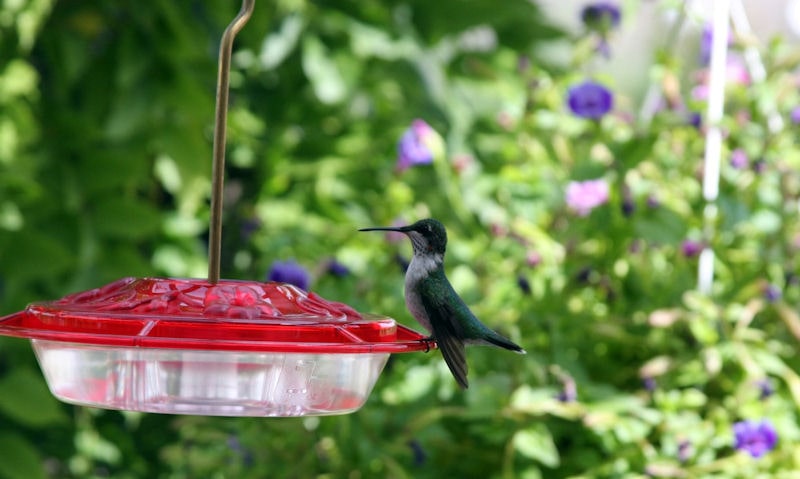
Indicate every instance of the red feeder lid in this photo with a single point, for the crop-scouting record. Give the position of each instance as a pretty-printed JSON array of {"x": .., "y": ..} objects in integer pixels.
[{"x": 195, "y": 314}]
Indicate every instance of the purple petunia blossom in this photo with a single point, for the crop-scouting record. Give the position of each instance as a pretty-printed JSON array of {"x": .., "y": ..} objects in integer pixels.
[
  {"x": 649, "y": 383},
  {"x": 289, "y": 272},
  {"x": 691, "y": 248},
  {"x": 735, "y": 74},
  {"x": 754, "y": 437},
  {"x": 418, "y": 452},
  {"x": 739, "y": 159},
  {"x": 569, "y": 390},
  {"x": 705, "y": 44},
  {"x": 248, "y": 227},
  {"x": 772, "y": 293},
  {"x": 524, "y": 284},
  {"x": 628, "y": 206},
  {"x": 414, "y": 147},
  {"x": 396, "y": 236},
  {"x": 765, "y": 388},
  {"x": 584, "y": 196},
  {"x": 337, "y": 269},
  {"x": 794, "y": 115},
  {"x": 695, "y": 119},
  {"x": 760, "y": 166},
  {"x": 684, "y": 450},
  {"x": 533, "y": 259},
  {"x": 590, "y": 100},
  {"x": 601, "y": 16}
]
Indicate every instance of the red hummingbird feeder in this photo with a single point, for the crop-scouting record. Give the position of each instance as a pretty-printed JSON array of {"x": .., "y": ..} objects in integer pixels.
[{"x": 210, "y": 347}]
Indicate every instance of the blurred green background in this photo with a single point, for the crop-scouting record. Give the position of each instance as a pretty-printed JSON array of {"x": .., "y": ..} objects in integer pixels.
[{"x": 106, "y": 113}]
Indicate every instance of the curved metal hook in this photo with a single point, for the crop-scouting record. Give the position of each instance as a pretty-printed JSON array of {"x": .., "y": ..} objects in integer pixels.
[{"x": 220, "y": 124}]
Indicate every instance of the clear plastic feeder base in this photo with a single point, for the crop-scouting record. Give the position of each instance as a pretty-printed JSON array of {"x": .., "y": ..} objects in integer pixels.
[{"x": 215, "y": 383}]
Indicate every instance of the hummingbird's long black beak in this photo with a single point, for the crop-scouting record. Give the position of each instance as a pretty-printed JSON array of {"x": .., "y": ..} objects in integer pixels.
[{"x": 401, "y": 229}]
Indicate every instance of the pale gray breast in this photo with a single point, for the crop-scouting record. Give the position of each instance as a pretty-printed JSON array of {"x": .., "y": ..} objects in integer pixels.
[{"x": 419, "y": 268}]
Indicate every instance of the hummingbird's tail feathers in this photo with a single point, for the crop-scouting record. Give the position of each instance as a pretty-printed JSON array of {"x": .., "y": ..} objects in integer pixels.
[
  {"x": 502, "y": 342},
  {"x": 454, "y": 354}
]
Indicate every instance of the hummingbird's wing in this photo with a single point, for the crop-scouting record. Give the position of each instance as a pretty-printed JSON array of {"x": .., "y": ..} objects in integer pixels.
[{"x": 446, "y": 329}]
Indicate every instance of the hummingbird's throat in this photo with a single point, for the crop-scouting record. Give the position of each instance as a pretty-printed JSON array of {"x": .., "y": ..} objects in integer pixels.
[{"x": 420, "y": 244}]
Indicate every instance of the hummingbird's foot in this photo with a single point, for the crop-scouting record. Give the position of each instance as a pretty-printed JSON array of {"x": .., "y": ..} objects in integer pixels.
[{"x": 430, "y": 339}]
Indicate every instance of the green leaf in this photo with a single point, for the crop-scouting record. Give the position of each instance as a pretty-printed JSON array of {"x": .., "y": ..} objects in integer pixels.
[
  {"x": 766, "y": 221},
  {"x": 536, "y": 443},
  {"x": 20, "y": 458},
  {"x": 17, "y": 79},
  {"x": 277, "y": 46},
  {"x": 661, "y": 226},
  {"x": 517, "y": 23},
  {"x": 634, "y": 151},
  {"x": 30, "y": 254},
  {"x": 26, "y": 399},
  {"x": 322, "y": 71},
  {"x": 126, "y": 218}
]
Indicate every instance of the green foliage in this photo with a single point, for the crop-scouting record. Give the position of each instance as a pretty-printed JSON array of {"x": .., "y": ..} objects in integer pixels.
[{"x": 106, "y": 109}]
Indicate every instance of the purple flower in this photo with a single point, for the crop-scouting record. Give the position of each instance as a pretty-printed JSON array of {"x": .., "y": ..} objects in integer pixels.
[
  {"x": 739, "y": 159},
  {"x": 754, "y": 437},
  {"x": 569, "y": 391},
  {"x": 590, "y": 100},
  {"x": 765, "y": 388},
  {"x": 601, "y": 16},
  {"x": 705, "y": 44},
  {"x": 628, "y": 206},
  {"x": 772, "y": 293},
  {"x": 248, "y": 227},
  {"x": 760, "y": 166},
  {"x": 417, "y": 145},
  {"x": 418, "y": 452},
  {"x": 240, "y": 450},
  {"x": 523, "y": 63},
  {"x": 735, "y": 74},
  {"x": 794, "y": 115},
  {"x": 533, "y": 259},
  {"x": 684, "y": 450},
  {"x": 524, "y": 285},
  {"x": 691, "y": 248},
  {"x": 695, "y": 119},
  {"x": 396, "y": 236},
  {"x": 401, "y": 261},
  {"x": 289, "y": 272},
  {"x": 337, "y": 269},
  {"x": 649, "y": 383},
  {"x": 584, "y": 196},
  {"x": 584, "y": 275}
]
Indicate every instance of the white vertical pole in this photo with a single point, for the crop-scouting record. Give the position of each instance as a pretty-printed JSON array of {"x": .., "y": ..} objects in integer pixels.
[{"x": 713, "y": 152}]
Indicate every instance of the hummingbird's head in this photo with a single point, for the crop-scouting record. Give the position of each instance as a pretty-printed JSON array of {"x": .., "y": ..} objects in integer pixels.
[{"x": 428, "y": 236}]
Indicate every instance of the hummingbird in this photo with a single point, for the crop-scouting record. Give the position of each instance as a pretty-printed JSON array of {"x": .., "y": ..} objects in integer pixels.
[{"x": 433, "y": 302}]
